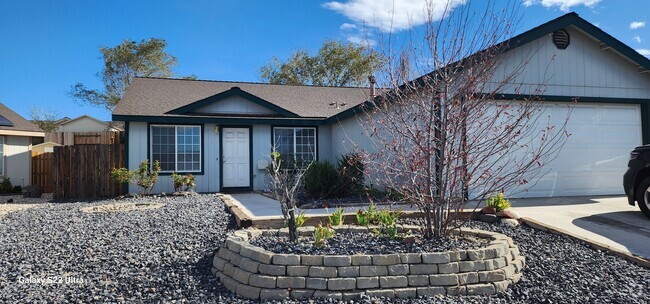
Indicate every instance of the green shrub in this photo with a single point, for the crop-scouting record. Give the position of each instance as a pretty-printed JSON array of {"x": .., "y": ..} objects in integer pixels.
[
  {"x": 350, "y": 169},
  {"x": 322, "y": 235},
  {"x": 336, "y": 218},
  {"x": 321, "y": 179},
  {"x": 183, "y": 182},
  {"x": 190, "y": 182},
  {"x": 177, "y": 182},
  {"x": 5, "y": 186},
  {"x": 498, "y": 202},
  {"x": 18, "y": 189},
  {"x": 146, "y": 177},
  {"x": 121, "y": 175}
]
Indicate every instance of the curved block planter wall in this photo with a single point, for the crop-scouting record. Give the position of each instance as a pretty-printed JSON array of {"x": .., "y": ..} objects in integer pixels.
[{"x": 255, "y": 273}]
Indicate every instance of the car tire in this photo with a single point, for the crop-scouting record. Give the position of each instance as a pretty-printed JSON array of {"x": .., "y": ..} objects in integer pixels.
[{"x": 643, "y": 196}]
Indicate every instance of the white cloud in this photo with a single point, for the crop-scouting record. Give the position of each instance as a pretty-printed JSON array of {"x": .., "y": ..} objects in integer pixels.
[
  {"x": 564, "y": 5},
  {"x": 392, "y": 15},
  {"x": 644, "y": 52},
  {"x": 637, "y": 38},
  {"x": 362, "y": 41},
  {"x": 348, "y": 26},
  {"x": 637, "y": 24}
]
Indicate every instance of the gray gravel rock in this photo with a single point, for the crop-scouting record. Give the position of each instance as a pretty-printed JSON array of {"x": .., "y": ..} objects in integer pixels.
[
  {"x": 363, "y": 243},
  {"x": 164, "y": 256}
]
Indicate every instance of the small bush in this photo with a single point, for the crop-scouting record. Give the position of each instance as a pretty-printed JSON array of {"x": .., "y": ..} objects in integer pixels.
[
  {"x": 321, "y": 179},
  {"x": 498, "y": 202},
  {"x": 322, "y": 236},
  {"x": 5, "y": 186},
  {"x": 18, "y": 189},
  {"x": 177, "y": 182},
  {"x": 184, "y": 182},
  {"x": 121, "y": 175},
  {"x": 336, "y": 218},
  {"x": 190, "y": 182},
  {"x": 350, "y": 169},
  {"x": 362, "y": 218},
  {"x": 145, "y": 177}
]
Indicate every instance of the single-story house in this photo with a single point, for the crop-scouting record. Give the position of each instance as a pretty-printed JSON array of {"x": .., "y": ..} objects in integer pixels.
[
  {"x": 86, "y": 123},
  {"x": 16, "y": 137},
  {"x": 223, "y": 132}
]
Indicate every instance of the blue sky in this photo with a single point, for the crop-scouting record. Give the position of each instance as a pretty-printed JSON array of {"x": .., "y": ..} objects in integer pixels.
[{"x": 47, "y": 46}]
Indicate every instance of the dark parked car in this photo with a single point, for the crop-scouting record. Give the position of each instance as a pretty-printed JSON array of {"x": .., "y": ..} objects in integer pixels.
[{"x": 636, "y": 180}]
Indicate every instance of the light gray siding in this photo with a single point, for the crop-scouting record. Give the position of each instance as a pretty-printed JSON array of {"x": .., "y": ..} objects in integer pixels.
[
  {"x": 582, "y": 69},
  {"x": 235, "y": 105},
  {"x": 138, "y": 152},
  {"x": 261, "y": 154}
]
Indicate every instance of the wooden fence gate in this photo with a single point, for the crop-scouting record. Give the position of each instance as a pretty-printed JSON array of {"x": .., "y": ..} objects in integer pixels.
[
  {"x": 42, "y": 170},
  {"x": 83, "y": 171}
]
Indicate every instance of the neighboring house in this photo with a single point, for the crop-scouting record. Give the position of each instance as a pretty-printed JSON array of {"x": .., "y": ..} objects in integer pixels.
[
  {"x": 223, "y": 132},
  {"x": 46, "y": 147},
  {"x": 16, "y": 136},
  {"x": 85, "y": 123}
]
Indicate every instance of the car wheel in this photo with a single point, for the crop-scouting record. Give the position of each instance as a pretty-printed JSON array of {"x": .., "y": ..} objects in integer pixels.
[{"x": 643, "y": 196}]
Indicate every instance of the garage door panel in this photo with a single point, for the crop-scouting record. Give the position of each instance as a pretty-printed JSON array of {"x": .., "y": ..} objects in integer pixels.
[
  {"x": 584, "y": 135},
  {"x": 622, "y": 135},
  {"x": 594, "y": 158},
  {"x": 584, "y": 114},
  {"x": 621, "y": 114}
]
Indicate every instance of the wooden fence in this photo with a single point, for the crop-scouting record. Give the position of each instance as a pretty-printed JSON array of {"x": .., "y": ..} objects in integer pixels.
[
  {"x": 83, "y": 171},
  {"x": 85, "y": 138},
  {"x": 42, "y": 171}
]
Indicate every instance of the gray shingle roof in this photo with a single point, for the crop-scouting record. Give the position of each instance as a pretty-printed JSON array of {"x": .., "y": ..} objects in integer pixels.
[
  {"x": 19, "y": 123},
  {"x": 157, "y": 96}
]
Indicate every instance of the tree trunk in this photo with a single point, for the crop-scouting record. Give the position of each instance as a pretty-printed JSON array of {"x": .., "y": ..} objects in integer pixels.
[{"x": 292, "y": 226}]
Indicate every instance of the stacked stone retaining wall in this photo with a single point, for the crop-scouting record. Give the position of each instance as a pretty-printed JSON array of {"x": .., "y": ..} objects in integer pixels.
[{"x": 255, "y": 273}]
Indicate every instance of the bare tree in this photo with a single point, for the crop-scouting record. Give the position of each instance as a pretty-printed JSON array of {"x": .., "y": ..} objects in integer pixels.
[
  {"x": 44, "y": 118},
  {"x": 444, "y": 139},
  {"x": 286, "y": 184}
]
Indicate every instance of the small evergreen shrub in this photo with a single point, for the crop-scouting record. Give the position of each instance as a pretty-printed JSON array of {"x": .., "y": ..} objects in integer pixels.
[
  {"x": 350, "y": 168},
  {"x": 321, "y": 179},
  {"x": 5, "y": 186},
  {"x": 18, "y": 189},
  {"x": 498, "y": 202}
]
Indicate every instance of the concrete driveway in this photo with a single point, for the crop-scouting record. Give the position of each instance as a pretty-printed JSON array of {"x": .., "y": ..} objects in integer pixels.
[{"x": 605, "y": 219}]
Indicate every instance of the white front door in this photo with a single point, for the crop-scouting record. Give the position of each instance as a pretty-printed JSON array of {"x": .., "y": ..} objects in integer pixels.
[{"x": 235, "y": 157}]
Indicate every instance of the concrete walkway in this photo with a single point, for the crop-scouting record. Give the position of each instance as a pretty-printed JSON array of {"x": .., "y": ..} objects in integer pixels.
[
  {"x": 606, "y": 219},
  {"x": 261, "y": 207}
]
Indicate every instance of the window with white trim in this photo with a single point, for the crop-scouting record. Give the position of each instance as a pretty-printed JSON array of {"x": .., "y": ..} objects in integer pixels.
[
  {"x": 176, "y": 148},
  {"x": 297, "y": 144},
  {"x": 2, "y": 156}
]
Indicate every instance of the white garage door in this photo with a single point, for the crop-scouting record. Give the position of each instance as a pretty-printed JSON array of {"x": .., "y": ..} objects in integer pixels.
[{"x": 593, "y": 160}]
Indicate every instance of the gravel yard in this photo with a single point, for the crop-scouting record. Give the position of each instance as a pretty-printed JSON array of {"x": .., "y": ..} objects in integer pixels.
[{"x": 164, "y": 255}]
